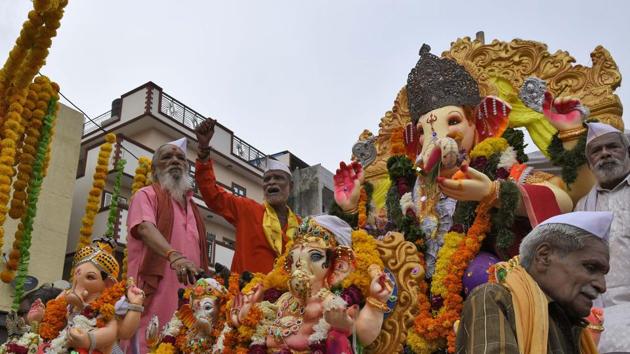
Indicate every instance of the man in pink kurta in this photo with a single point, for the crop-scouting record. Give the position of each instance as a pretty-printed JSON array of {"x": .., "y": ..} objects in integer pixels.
[
  {"x": 164, "y": 231},
  {"x": 185, "y": 239}
]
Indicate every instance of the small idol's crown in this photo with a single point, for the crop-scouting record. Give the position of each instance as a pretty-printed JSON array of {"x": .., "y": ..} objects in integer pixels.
[
  {"x": 205, "y": 287},
  {"x": 99, "y": 253},
  {"x": 312, "y": 233},
  {"x": 435, "y": 83}
]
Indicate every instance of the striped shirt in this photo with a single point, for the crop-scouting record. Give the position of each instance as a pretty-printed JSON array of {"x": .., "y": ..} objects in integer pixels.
[{"x": 488, "y": 325}]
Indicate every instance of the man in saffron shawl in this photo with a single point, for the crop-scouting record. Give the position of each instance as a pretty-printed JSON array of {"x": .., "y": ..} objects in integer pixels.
[{"x": 262, "y": 230}]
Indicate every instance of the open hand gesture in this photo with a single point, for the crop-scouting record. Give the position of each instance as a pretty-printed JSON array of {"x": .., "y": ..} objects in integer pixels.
[
  {"x": 348, "y": 181},
  {"x": 243, "y": 303}
]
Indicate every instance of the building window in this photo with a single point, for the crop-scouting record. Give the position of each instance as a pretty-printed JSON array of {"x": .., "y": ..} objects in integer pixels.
[
  {"x": 106, "y": 201},
  {"x": 239, "y": 190},
  {"x": 227, "y": 243},
  {"x": 191, "y": 175},
  {"x": 212, "y": 239}
]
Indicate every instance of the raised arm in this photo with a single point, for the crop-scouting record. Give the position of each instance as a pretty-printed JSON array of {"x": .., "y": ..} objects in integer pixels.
[{"x": 216, "y": 197}]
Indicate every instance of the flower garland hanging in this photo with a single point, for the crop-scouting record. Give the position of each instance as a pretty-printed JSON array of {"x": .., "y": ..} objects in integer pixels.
[
  {"x": 140, "y": 179},
  {"x": 40, "y": 93},
  {"x": 366, "y": 253},
  {"x": 440, "y": 303},
  {"x": 23, "y": 236},
  {"x": 29, "y": 53},
  {"x": 10, "y": 133},
  {"x": 56, "y": 314},
  {"x": 94, "y": 196},
  {"x": 112, "y": 218},
  {"x": 431, "y": 327}
]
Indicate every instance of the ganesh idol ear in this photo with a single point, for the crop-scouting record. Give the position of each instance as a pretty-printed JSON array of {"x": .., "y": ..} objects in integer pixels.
[{"x": 491, "y": 117}]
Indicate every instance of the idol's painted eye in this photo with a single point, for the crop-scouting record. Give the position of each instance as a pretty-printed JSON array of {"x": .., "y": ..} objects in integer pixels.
[
  {"x": 316, "y": 256},
  {"x": 454, "y": 120}
]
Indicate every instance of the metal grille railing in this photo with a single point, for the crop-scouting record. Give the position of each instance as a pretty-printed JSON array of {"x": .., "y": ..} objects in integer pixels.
[
  {"x": 248, "y": 153},
  {"x": 92, "y": 125},
  {"x": 179, "y": 112}
]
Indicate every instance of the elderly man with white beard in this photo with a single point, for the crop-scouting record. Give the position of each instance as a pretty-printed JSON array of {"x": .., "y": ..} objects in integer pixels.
[
  {"x": 608, "y": 155},
  {"x": 166, "y": 245}
]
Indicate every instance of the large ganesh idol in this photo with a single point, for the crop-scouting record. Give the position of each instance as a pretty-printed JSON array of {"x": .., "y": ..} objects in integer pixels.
[
  {"x": 97, "y": 311},
  {"x": 320, "y": 295},
  {"x": 457, "y": 184},
  {"x": 198, "y": 326}
]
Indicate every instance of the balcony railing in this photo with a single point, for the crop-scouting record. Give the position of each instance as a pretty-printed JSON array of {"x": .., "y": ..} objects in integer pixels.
[
  {"x": 179, "y": 112},
  {"x": 92, "y": 125},
  {"x": 248, "y": 153}
]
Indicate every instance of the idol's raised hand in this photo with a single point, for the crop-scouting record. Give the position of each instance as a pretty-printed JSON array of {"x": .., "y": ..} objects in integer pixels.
[
  {"x": 348, "y": 180},
  {"x": 564, "y": 112}
]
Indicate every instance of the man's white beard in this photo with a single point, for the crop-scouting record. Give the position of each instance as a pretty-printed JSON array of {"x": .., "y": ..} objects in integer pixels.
[
  {"x": 177, "y": 187},
  {"x": 609, "y": 170}
]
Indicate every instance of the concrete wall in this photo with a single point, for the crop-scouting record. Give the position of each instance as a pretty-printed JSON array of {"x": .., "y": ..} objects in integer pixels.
[
  {"x": 50, "y": 230},
  {"x": 308, "y": 196}
]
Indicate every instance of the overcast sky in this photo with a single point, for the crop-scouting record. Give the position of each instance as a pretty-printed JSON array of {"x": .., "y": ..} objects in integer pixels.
[{"x": 294, "y": 75}]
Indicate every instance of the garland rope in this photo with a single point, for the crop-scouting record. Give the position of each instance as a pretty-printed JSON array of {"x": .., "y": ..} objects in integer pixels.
[
  {"x": 31, "y": 206},
  {"x": 112, "y": 219}
]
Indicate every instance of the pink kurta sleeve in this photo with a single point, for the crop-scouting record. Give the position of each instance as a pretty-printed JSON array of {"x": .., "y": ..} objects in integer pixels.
[{"x": 141, "y": 208}]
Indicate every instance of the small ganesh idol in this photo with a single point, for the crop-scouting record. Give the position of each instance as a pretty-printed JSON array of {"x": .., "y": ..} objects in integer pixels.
[
  {"x": 199, "y": 325},
  {"x": 96, "y": 311},
  {"x": 314, "y": 315}
]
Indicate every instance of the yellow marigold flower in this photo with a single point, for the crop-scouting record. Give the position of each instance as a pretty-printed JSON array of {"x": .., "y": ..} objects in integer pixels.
[{"x": 110, "y": 138}]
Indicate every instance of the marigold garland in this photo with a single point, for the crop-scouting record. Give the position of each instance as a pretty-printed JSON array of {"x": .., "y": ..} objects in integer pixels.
[
  {"x": 452, "y": 240},
  {"x": 165, "y": 348},
  {"x": 430, "y": 327},
  {"x": 112, "y": 218},
  {"x": 398, "y": 143},
  {"x": 55, "y": 318},
  {"x": 278, "y": 277},
  {"x": 362, "y": 209},
  {"x": 366, "y": 253},
  {"x": 31, "y": 207},
  {"x": 488, "y": 147},
  {"x": 140, "y": 179},
  {"x": 10, "y": 133},
  {"x": 41, "y": 88},
  {"x": 94, "y": 196}
]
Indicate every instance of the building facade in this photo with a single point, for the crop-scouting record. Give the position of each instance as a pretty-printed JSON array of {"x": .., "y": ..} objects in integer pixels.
[{"x": 145, "y": 118}]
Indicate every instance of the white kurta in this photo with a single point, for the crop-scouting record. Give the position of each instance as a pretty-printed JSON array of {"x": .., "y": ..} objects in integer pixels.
[{"x": 616, "y": 300}]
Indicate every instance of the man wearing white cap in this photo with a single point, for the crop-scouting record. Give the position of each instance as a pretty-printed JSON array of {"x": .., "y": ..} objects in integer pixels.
[
  {"x": 166, "y": 246},
  {"x": 608, "y": 155},
  {"x": 540, "y": 298},
  {"x": 262, "y": 230}
]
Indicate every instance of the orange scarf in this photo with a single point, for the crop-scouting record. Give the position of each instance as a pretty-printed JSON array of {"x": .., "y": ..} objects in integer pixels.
[{"x": 531, "y": 310}]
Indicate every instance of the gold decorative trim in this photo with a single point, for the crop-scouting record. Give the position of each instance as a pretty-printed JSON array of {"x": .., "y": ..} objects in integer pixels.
[
  {"x": 401, "y": 257},
  {"x": 519, "y": 59}
]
